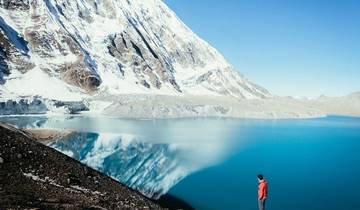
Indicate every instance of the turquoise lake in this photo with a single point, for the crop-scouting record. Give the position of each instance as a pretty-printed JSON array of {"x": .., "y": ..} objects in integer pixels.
[{"x": 310, "y": 164}]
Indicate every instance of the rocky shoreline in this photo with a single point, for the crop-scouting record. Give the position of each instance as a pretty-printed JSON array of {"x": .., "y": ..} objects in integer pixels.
[{"x": 34, "y": 176}]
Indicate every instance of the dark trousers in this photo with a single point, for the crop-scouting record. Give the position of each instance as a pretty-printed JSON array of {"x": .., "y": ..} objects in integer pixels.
[{"x": 261, "y": 204}]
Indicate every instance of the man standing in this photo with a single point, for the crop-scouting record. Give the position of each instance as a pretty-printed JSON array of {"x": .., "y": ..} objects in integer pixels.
[{"x": 262, "y": 192}]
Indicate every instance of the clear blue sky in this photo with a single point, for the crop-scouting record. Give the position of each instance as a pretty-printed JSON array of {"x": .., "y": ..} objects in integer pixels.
[{"x": 291, "y": 47}]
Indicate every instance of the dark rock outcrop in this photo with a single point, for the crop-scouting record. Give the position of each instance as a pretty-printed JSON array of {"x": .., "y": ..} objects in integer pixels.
[
  {"x": 15, "y": 5},
  {"x": 4, "y": 69},
  {"x": 73, "y": 107}
]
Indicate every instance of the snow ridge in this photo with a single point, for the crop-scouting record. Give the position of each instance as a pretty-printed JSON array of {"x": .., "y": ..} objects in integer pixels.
[{"x": 83, "y": 47}]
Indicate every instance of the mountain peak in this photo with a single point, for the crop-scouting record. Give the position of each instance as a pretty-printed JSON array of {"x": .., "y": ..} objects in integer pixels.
[{"x": 117, "y": 47}]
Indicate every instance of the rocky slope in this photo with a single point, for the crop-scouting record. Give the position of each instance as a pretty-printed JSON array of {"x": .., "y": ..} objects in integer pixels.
[
  {"x": 33, "y": 176},
  {"x": 69, "y": 50}
]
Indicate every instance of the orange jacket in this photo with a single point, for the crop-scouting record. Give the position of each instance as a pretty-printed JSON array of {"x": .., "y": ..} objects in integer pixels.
[{"x": 262, "y": 190}]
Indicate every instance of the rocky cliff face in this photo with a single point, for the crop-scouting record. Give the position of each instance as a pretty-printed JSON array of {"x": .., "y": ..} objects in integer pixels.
[{"x": 81, "y": 47}]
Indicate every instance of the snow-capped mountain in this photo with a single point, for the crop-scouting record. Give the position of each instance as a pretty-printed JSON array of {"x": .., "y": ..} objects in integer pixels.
[{"x": 72, "y": 49}]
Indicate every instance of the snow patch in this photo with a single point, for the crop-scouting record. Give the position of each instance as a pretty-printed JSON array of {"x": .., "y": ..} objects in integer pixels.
[{"x": 38, "y": 82}]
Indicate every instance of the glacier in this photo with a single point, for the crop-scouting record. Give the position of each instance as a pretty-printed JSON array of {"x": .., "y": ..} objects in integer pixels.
[
  {"x": 77, "y": 49},
  {"x": 131, "y": 59}
]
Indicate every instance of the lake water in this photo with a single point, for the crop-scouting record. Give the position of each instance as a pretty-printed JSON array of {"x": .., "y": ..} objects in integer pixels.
[{"x": 213, "y": 163}]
